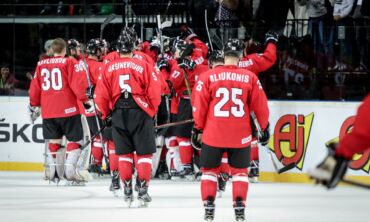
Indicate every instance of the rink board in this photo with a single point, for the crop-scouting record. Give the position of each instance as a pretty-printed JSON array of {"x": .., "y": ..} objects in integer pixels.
[{"x": 299, "y": 131}]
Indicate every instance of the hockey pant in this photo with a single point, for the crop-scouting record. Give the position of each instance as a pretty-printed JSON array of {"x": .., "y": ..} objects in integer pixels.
[{"x": 173, "y": 155}]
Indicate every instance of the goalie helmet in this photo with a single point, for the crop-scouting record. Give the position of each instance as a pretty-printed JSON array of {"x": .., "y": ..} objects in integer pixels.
[
  {"x": 94, "y": 46},
  {"x": 127, "y": 40},
  {"x": 216, "y": 56},
  {"x": 233, "y": 47},
  {"x": 73, "y": 44}
]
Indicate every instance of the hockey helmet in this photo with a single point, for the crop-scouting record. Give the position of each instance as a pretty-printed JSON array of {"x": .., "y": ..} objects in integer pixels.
[
  {"x": 216, "y": 56},
  {"x": 127, "y": 40},
  {"x": 183, "y": 47},
  {"x": 94, "y": 46},
  {"x": 73, "y": 44},
  {"x": 186, "y": 33},
  {"x": 233, "y": 47}
]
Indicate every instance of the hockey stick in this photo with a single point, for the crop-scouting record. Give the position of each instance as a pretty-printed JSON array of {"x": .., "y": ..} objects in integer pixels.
[
  {"x": 105, "y": 23},
  {"x": 93, "y": 137},
  {"x": 206, "y": 23},
  {"x": 355, "y": 183},
  {"x": 174, "y": 124},
  {"x": 281, "y": 170}
]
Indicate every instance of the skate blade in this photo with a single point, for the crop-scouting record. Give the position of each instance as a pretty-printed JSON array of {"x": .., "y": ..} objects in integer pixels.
[
  {"x": 117, "y": 193},
  {"x": 208, "y": 219},
  {"x": 220, "y": 193},
  {"x": 253, "y": 179},
  {"x": 142, "y": 204}
]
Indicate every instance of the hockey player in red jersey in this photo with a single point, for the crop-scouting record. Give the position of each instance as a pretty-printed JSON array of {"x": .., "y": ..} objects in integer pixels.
[
  {"x": 183, "y": 77},
  {"x": 74, "y": 49},
  {"x": 56, "y": 88},
  {"x": 257, "y": 63},
  {"x": 223, "y": 100},
  {"x": 333, "y": 168},
  {"x": 133, "y": 88},
  {"x": 189, "y": 36}
]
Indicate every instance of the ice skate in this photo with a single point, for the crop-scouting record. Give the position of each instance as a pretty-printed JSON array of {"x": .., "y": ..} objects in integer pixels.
[
  {"x": 175, "y": 176},
  {"x": 115, "y": 185},
  {"x": 128, "y": 195},
  {"x": 253, "y": 172},
  {"x": 209, "y": 208},
  {"x": 222, "y": 180},
  {"x": 239, "y": 208},
  {"x": 96, "y": 169},
  {"x": 143, "y": 195},
  {"x": 187, "y": 173}
]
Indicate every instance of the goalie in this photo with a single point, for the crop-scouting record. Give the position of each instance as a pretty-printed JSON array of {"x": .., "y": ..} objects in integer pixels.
[{"x": 56, "y": 88}]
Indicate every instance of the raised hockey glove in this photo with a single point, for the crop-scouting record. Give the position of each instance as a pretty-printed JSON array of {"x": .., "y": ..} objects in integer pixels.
[
  {"x": 108, "y": 121},
  {"x": 90, "y": 92},
  {"x": 186, "y": 64},
  {"x": 34, "y": 112},
  {"x": 264, "y": 136},
  {"x": 162, "y": 63},
  {"x": 272, "y": 37},
  {"x": 89, "y": 106},
  {"x": 196, "y": 138},
  {"x": 331, "y": 170}
]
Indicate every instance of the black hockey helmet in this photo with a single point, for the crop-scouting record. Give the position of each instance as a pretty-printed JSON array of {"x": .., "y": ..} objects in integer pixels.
[
  {"x": 93, "y": 46},
  {"x": 233, "y": 47},
  {"x": 216, "y": 56},
  {"x": 186, "y": 32},
  {"x": 73, "y": 44},
  {"x": 127, "y": 40}
]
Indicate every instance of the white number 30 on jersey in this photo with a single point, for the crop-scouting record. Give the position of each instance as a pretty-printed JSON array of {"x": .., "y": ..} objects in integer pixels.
[
  {"x": 237, "y": 110},
  {"x": 52, "y": 79}
]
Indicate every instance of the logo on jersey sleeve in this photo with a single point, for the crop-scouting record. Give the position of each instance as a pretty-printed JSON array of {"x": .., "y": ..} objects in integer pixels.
[
  {"x": 290, "y": 138},
  {"x": 360, "y": 161}
]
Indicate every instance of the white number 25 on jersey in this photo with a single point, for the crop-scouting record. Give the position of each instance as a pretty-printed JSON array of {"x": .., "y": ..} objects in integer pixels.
[{"x": 237, "y": 110}]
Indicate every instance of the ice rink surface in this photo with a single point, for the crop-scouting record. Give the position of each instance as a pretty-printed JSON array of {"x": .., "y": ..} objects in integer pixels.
[{"x": 26, "y": 197}]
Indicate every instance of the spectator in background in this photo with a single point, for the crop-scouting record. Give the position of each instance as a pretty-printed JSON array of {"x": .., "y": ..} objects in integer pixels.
[
  {"x": 320, "y": 28},
  {"x": 8, "y": 81},
  {"x": 362, "y": 23}
]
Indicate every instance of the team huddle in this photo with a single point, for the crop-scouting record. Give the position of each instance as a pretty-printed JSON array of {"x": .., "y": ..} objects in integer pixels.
[{"x": 128, "y": 96}]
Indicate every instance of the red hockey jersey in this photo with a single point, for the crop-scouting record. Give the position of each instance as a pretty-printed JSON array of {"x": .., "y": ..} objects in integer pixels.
[
  {"x": 136, "y": 54},
  {"x": 358, "y": 140},
  {"x": 134, "y": 76},
  {"x": 222, "y": 101},
  {"x": 56, "y": 87},
  {"x": 260, "y": 62}
]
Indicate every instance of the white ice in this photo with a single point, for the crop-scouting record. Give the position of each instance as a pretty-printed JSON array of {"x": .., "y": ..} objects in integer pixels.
[{"x": 26, "y": 197}]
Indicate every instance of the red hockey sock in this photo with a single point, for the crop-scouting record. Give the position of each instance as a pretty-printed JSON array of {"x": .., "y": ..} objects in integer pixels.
[
  {"x": 125, "y": 166},
  {"x": 208, "y": 185},
  {"x": 240, "y": 183},
  {"x": 73, "y": 146},
  {"x": 224, "y": 167},
  {"x": 254, "y": 152},
  {"x": 113, "y": 158},
  {"x": 144, "y": 167},
  {"x": 164, "y": 153},
  {"x": 54, "y": 147},
  {"x": 97, "y": 151},
  {"x": 186, "y": 151}
]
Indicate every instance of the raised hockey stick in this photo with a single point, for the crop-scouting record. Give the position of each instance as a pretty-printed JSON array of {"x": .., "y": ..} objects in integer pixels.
[
  {"x": 105, "y": 23},
  {"x": 206, "y": 23},
  {"x": 174, "y": 124},
  {"x": 278, "y": 170}
]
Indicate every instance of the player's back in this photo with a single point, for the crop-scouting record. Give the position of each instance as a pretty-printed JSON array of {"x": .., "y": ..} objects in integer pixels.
[
  {"x": 228, "y": 96},
  {"x": 53, "y": 77}
]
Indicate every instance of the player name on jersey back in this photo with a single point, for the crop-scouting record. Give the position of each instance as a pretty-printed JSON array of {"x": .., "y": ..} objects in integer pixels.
[
  {"x": 125, "y": 65},
  {"x": 231, "y": 76},
  {"x": 52, "y": 61}
]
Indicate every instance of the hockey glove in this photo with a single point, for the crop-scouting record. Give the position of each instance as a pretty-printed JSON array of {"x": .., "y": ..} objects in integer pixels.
[
  {"x": 162, "y": 63},
  {"x": 186, "y": 64},
  {"x": 271, "y": 37},
  {"x": 90, "y": 92},
  {"x": 34, "y": 112},
  {"x": 89, "y": 106},
  {"x": 196, "y": 138},
  {"x": 264, "y": 136},
  {"x": 331, "y": 170}
]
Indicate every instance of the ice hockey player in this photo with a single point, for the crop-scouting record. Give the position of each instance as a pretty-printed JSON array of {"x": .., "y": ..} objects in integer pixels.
[
  {"x": 133, "y": 88},
  {"x": 223, "y": 100},
  {"x": 333, "y": 168},
  {"x": 183, "y": 77},
  {"x": 189, "y": 36},
  {"x": 74, "y": 49},
  {"x": 56, "y": 88},
  {"x": 257, "y": 63}
]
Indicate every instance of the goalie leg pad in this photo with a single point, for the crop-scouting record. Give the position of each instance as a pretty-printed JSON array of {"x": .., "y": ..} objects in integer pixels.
[
  {"x": 156, "y": 158},
  {"x": 60, "y": 161},
  {"x": 71, "y": 163}
]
